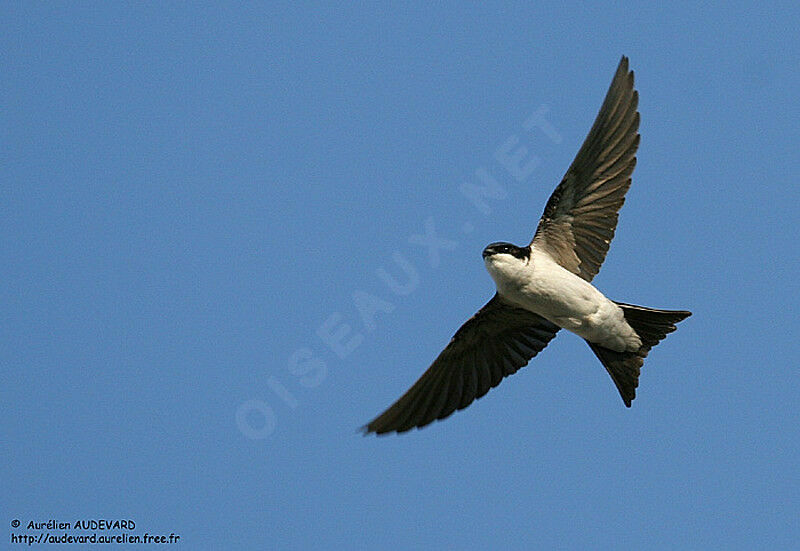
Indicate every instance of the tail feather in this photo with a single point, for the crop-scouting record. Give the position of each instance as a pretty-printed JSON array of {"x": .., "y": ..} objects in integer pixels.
[{"x": 652, "y": 326}]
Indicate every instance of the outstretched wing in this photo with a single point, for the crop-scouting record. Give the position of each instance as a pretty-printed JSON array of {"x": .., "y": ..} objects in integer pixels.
[
  {"x": 492, "y": 344},
  {"x": 581, "y": 215}
]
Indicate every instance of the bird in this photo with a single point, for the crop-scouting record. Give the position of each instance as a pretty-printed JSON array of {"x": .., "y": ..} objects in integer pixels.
[{"x": 546, "y": 286}]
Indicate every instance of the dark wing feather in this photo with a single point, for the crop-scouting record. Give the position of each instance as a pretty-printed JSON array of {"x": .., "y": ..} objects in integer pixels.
[
  {"x": 491, "y": 345},
  {"x": 581, "y": 215}
]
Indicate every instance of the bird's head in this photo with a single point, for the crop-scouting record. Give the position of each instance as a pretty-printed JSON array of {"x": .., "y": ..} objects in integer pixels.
[
  {"x": 506, "y": 264},
  {"x": 501, "y": 251},
  {"x": 505, "y": 257}
]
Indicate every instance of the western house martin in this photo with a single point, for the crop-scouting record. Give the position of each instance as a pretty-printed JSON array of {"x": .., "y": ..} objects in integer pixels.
[{"x": 545, "y": 285}]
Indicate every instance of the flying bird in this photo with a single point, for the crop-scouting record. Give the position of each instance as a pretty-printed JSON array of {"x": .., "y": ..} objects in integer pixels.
[{"x": 546, "y": 285}]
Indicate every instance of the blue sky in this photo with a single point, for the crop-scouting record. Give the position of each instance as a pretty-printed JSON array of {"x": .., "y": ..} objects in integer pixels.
[{"x": 198, "y": 200}]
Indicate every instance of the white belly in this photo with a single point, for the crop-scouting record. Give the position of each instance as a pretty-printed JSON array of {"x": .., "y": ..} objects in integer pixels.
[{"x": 544, "y": 287}]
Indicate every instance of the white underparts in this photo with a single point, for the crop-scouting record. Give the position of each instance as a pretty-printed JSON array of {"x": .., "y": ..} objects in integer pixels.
[{"x": 542, "y": 286}]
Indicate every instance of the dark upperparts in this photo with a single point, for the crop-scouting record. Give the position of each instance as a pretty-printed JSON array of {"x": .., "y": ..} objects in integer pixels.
[{"x": 506, "y": 248}]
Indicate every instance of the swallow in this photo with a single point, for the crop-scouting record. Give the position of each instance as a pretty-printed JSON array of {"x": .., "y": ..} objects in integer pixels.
[{"x": 546, "y": 285}]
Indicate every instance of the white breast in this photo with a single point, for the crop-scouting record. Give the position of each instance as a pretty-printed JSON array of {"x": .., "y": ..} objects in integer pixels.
[{"x": 544, "y": 287}]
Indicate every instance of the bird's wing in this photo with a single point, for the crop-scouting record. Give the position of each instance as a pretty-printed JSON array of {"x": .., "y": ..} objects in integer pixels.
[
  {"x": 494, "y": 343},
  {"x": 581, "y": 215}
]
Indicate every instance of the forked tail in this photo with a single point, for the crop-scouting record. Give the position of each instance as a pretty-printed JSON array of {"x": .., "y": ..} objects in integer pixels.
[{"x": 652, "y": 326}]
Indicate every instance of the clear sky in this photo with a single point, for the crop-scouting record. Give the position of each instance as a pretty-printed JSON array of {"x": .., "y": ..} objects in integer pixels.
[{"x": 232, "y": 236}]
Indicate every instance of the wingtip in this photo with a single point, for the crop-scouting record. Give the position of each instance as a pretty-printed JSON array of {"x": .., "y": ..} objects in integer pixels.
[
  {"x": 370, "y": 430},
  {"x": 366, "y": 431},
  {"x": 624, "y": 70}
]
